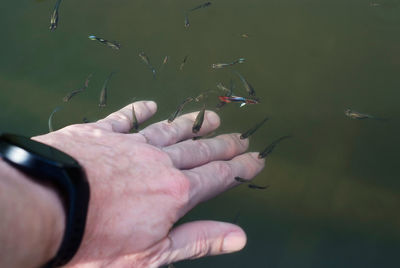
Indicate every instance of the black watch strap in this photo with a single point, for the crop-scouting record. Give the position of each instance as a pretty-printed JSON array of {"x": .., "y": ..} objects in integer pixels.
[{"x": 46, "y": 164}]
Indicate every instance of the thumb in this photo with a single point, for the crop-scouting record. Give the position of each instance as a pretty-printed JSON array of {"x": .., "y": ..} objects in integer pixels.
[{"x": 202, "y": 238}]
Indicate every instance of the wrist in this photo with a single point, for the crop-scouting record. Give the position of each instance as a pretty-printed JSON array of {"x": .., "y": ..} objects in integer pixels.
[{"x": 35, "y": 219}]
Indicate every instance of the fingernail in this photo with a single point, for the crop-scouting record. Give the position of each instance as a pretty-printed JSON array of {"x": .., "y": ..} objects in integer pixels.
[{"x": 233, "y": 242}]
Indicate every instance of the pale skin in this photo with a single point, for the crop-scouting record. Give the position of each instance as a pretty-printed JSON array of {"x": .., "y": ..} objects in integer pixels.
[{"x": 141, "y": 184}]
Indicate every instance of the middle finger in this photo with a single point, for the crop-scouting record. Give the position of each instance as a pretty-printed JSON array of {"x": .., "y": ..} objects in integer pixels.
[
  {"x": 164, "y": 134},
  {"x": 193, "y": 153}
]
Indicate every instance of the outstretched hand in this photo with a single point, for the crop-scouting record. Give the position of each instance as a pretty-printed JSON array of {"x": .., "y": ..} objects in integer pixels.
[{"x": 142, "y": 183}]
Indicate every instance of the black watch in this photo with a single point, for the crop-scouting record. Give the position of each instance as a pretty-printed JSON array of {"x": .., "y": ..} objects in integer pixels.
[{"x": 45, "y": 164}]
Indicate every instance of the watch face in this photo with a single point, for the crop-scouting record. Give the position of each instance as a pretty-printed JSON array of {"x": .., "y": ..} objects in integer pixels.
[{"x": 37, "y": 148}]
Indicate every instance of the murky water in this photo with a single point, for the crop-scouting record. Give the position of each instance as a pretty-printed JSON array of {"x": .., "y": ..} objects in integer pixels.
[{"x": 334, "y": 196}]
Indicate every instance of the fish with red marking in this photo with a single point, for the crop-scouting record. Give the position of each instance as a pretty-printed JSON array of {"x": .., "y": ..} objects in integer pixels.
[{"x": 242, "y": 100}]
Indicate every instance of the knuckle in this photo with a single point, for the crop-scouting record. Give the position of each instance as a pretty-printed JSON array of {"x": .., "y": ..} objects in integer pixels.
[
  {"x": 223, "y": 169},
  {"x": 204, "y": 150},
  {"x": 201, "y": 247},
  {"x": 179, "y": 187}
]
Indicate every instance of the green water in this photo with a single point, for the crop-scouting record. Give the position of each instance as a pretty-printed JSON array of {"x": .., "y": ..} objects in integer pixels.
[{"x": 334, "y": 196}]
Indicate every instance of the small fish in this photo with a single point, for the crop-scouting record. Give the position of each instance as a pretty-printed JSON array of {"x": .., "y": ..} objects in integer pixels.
[
  {"x": 254, "y": 186},
  {"x": 244, "y": 35},
  {"x": 356, "y": 115},
  {"x": 239, "y": 179},
  {"x": 201, "y": 6},
  {"x": 271, "y": 147},
  {"x": 186, "y": 21},
  {"x": 85, "y": 120},
  {"x": 76, "y": 91},
  {"x": 183, "y": 62},
  {"x": 179, "y": 109},
  {"x": 54, "y": 16},
  {"x": 250, "y": 132},
  {"x": 103, "y": 93},
  {"x": 135, "y": 122},
  {"x": 50, "y": 122},
  {"x": 146, "y": 60},
  {"x": 243, "y": 100},
  {"x": 247, "y": 86},
  {"x": 204, "y": 137},
  {"x": 225, "y": 89},
  {"x": 113, "y": 44},
  {"x": 166, "y": 58},
  {"x": 199, "y": 120},
  {"x": 223, "y": 65}
]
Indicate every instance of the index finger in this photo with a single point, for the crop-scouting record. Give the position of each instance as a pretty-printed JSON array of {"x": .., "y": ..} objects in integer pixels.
[{"x": 121, "y": 120}]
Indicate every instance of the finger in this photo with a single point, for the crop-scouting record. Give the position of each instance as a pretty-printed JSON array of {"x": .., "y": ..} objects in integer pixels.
[
  {"x": 215, "y": 177},
  {"x": 164, "y": 134},
  {"x": 121, "y": 121},
  {"x": 203, "y": 238},
  {"x": 223, "y": 147}
]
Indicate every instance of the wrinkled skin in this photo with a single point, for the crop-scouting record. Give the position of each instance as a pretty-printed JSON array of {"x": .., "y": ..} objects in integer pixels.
[{"x": 142, "y": 183}]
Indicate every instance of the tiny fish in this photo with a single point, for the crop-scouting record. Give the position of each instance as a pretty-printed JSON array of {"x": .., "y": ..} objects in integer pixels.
[
  {"x": 244, "y": 35},
  {"x": 85, "y": 120},
  {"x": 201, "y": 6},
  {"x": 223, "y": 65},
  {"x": 271, "y": 147},
  {"x": 166, "y": 58},
  {"x": 204, "y": 137},
  {"x": 146, "y": 60},
  {"x": 239, "y": 179},
  {"x": 54, "y": 16},
  {"x": 242, "y": 100},
  {"x": 224, "y": 88},
  {"x": 113, "y": 44},
  {"x": 179, "y": 109},
  {"x": 254, "y": 186},
  {"x": 76, "y": 91},
  {"x": 356, "y": 115},
  {"x": 250, "y": 132},
  {"x": 50, "y": 122},
  {"x": 183, "y": 62},
  {"x": 186, "y": 21},
  {"x": 103, "y": 93},
  {"x": 135, "y": 123},
  {"x": 247, "y": 86},
  {"x": 199, "y": 120}
]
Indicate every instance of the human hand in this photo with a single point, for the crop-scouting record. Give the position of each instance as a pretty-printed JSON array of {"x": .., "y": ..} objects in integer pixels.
[{"x": 143, "y": 183}]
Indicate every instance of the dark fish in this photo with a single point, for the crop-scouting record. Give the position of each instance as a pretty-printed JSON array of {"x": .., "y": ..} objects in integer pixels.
[
  {"x": 179, "y": 109},
  {"x": 223, "y": 65},
  {"x": 247, "y": 86},
  {"x": 254, "y": 186},
  {"x": 187, "y": 24},
  {"x": 356, "y": 115},
  {"x": 76, "y": 91},
  {"x": 239, "y": 179},
  {"x": 112, "y": 44},
  {"x": 199, "y": 120},
  {"x": 103, "y": 93},
  {"x": 271, "y": 147},
  {"x": 204, "y": 137},
  {"x": 250, "y": 132},
  {"x": 146, "y": 60},
  {"x": 50, "y": 122},
  {"x": 54, "y": 16},
  {"x": 135, "y": 123},
  {"x": 201, "y": 6},
  {"x": 183, "y": 62},
  {"x": 85, "y": 120}
]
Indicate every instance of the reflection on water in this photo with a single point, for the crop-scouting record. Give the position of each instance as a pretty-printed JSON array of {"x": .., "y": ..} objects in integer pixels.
[{"x": 334, "y": 190}]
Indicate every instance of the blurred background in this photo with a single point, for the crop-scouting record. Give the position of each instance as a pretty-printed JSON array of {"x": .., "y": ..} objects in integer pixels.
[{"x": 334, "y": 196}]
